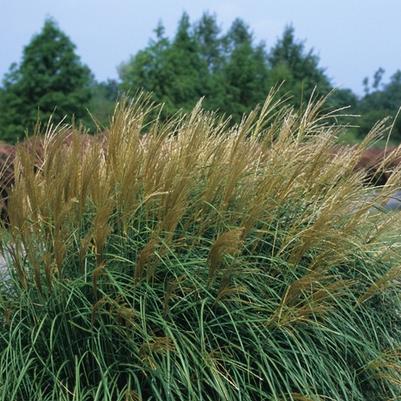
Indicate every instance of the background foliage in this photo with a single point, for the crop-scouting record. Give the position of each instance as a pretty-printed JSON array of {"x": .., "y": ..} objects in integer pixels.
[
  {"x": 50, "y": 80},
  {"x": 230, "y": 69}
]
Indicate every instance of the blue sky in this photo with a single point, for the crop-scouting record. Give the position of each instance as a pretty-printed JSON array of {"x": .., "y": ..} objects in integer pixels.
[{"x": 352, "y": 37}]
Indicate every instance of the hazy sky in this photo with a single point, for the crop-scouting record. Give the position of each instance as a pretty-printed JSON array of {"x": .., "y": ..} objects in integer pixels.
[{"x": 352, "y": 37}]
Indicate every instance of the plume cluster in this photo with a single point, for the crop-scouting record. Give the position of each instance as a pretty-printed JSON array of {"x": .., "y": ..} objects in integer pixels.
[{"x": 193, "y": 259}]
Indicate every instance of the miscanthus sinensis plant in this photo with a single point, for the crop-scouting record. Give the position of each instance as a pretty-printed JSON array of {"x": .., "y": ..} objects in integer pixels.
[{"x": 196, "y": 260}]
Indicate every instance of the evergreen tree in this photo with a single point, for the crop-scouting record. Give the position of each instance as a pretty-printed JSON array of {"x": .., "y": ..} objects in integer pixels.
[
  {"x": 51, "y": 80},
  {"x": 381, "y": 101},
  {"x": 208, "y": 35},
  {"x": 299, "y": 68},
  {"x": 148, "y": 69},
  {"x": 173, "y": 71},
  {"x": 245, "y": 73},
  {"x": 231, "y": 71},
  {"x": 190, "y": 73}
]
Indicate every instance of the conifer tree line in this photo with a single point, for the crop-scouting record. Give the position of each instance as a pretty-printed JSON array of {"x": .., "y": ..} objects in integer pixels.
[{"x": 231, "y": 70}]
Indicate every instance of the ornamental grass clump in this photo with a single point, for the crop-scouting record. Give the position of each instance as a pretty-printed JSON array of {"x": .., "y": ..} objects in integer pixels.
[{"x": 196, "y": 260}]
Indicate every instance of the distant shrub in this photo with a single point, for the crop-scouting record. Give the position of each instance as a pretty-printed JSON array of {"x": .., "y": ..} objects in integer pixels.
[{"x": 200, "y": 262}]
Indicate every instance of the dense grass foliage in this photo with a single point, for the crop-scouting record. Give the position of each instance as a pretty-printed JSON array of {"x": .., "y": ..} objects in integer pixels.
[{"x": 193, "y": 260}]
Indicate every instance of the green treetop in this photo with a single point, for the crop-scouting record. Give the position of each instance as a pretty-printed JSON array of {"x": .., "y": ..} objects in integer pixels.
[
  {"x": 51, "y": 80},
  {"x": 147, "y": 69},
  {"x": 300, "y": 69},
  {"x": 245, "y": 73},
  {"x": 230, "y": 70},
  {"x": 173, "y": 71},
  {"x": 381, "y": 100}
]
